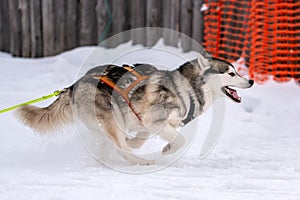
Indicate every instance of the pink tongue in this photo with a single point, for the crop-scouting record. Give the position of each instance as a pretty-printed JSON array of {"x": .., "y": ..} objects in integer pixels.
[{"x": 234, "y": 94}]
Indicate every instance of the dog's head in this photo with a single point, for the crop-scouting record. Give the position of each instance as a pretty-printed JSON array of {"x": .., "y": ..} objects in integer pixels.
[{"x": 222, "y": 76}]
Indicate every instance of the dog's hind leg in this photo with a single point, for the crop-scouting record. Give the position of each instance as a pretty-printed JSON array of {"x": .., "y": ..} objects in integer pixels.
[
  {"x": 138, "y": 140},
  {"x": 175, "y": 139},
  {"x": 119, "y": 139}
]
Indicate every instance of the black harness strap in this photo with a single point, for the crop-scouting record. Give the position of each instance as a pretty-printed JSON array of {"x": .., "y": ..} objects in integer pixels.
[
  {"x": 124, "y": 92},
  {"x": 190, "y": 116}
]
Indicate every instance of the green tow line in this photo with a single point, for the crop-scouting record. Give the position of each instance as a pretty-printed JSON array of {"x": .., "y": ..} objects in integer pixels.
[{"x": 56, "y": 93}]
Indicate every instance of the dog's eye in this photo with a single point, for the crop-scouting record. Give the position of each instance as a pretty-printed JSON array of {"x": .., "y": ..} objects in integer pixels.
[{"x": 232, "y": 74}]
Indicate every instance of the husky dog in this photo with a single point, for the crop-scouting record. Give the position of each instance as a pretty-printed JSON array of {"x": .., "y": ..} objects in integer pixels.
[{"x": 158, "y": 104}]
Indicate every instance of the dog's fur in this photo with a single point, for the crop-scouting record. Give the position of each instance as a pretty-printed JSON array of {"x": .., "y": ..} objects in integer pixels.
[{"x": 164, "y": 102}]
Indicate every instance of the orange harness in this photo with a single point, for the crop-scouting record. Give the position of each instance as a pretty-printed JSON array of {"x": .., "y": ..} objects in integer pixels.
[{"x": 124, "y": 92}]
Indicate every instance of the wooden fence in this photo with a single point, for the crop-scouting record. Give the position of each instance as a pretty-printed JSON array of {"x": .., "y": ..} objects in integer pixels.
[{"x": 37, "y": 28}]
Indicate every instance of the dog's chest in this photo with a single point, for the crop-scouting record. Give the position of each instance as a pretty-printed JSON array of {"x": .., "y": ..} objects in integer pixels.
[{"x": 208, "y": 97}]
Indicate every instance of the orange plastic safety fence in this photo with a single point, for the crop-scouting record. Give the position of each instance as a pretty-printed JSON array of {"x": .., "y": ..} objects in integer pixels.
[{"x": 265, "y": 33}]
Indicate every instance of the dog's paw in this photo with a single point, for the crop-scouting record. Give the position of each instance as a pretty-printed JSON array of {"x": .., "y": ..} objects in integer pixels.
[
  {"x": 167, "y": 149},
  {"x": 146, "y": 162},
  {"x": 171, "y": 148}
]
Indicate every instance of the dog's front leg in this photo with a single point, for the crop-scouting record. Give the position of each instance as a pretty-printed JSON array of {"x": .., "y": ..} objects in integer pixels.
[{"x": 175, "y": 139}]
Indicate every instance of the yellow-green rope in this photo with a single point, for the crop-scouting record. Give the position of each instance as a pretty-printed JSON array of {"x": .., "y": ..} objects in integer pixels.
[{"x": 56, "y": 93}]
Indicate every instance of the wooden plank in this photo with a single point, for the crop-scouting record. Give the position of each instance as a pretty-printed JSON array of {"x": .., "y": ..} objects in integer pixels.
[
  {"x": 102, "y": 17},
  {"x": 25, "y": 25},
  {"x": 1, "y": 26},
  {"x": 119, "y": 22},
  {"x": 48, "y": 27},
  {"x": 127, "y": 25},
  {"x": 174, "y": 22},
  {"x": 153, "y": 19},
  {"x": 87, "y": 30},
  {"x": 59, "y": 25},
  {"x": 36, "y": 28},
  {"x": 6, "y": 25},
  {"x": 138, "y": 20},
  {"x": 104, "y": 21},
  {"x": 186, "y": 24},
  {"x": 71, "y": 24},
  {"x": 166, "y": 22},
  {"x": 198, "y": 24},
  {"x": 16, "y": 31}
]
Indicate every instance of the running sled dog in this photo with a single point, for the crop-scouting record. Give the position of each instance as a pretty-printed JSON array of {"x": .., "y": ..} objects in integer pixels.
[{"x": 140, "y": 99}]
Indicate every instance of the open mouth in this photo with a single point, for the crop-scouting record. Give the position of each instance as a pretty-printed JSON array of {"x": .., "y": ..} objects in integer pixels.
[{"x": 232, "y": 94}]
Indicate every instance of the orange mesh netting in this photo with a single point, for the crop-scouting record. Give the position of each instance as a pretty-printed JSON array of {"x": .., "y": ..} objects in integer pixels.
[{"x": 263, "y": 34}]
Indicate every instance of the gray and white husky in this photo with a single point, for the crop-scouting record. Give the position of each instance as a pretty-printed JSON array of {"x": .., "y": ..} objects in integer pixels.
[{"x": 159, "y": 104}]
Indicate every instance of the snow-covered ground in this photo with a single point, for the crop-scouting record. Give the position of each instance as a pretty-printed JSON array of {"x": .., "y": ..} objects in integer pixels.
[{"x": 257, "y": 156}]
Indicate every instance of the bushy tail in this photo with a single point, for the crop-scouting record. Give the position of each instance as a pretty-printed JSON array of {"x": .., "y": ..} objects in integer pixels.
[{"x": 49, "y": 119}]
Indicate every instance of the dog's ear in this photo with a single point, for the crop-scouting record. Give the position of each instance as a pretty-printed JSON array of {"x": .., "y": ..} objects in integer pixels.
[{"x": 204, "y": 60}]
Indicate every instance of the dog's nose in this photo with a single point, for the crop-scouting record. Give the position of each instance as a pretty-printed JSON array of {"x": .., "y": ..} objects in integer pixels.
[{"x": 251, "y": 82}]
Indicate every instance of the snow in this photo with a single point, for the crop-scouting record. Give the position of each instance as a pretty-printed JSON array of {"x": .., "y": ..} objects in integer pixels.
[
  {"x": 204, "y": 7},
  {"x": 257, "y": 156}
]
